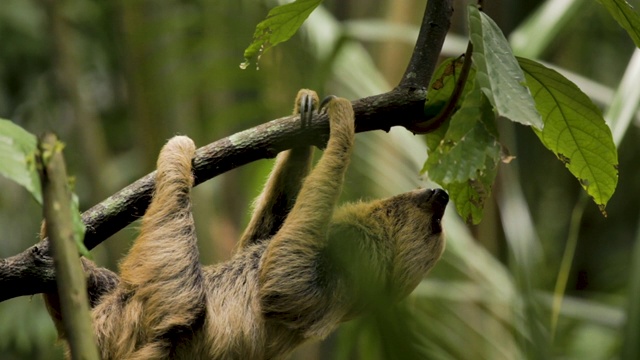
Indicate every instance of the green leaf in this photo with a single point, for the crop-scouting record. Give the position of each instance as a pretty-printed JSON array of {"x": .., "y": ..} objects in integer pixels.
[
  {"x": 624, "y": 14},
  {"x": 464, "y": 159},
  {"x": 17, "y": 151},
  {"x": 498, "y": 73},
  {"x": 466, "y": 144},
  {"x": 443, "y": 84},
  {"x": 281, "y": 23},
  {"x": 471, "y": 195},
  {"x": 574, "y": 130},
  {"x": 435, "y": 137}
]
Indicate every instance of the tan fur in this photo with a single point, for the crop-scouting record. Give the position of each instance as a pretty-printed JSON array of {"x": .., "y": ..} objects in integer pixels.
[{"x": 300, "y": 269}]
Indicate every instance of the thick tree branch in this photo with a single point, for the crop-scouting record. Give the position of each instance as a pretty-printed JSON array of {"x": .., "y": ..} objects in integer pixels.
[{"x": 32, "y": 272}]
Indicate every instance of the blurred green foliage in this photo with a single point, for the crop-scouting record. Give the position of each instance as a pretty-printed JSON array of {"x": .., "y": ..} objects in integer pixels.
[{"x": 115, "y": 79}]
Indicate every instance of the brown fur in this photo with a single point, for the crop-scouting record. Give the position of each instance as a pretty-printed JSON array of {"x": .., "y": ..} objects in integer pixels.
[{"x": 300, "y": 269}]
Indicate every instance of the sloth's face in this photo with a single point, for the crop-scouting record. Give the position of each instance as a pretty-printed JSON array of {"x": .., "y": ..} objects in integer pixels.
[{"x": 389, "y": 245}]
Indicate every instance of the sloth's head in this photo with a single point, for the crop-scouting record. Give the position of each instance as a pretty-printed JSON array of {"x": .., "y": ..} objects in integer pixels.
[{"x": 387, "y": 246}]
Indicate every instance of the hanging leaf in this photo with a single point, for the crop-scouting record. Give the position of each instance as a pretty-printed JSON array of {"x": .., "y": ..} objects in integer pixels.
[
  {"x": 574, "y": 130},
  {"x": 281, "y": 23},
  {"x": 466, "y": 143},
  {"x": 17, "y": 152},
  {"x": 440, "y": 90},
  {"x": 435, "y": 137},
  {"x": 443, "y": 84},
  {"x": 470, "y": 196},
  {"x": 624, "y": 14},
  {"x": 498, "y": 73},
  {"x": 464, "y": 159}
]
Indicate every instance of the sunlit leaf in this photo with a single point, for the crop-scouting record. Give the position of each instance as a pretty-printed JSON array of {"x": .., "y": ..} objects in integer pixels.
[
  {"x": 574, "y": 130},
  {"x": 465, "y": 158},
  {"x": 498, "y": 73},
  {"x": 281, "y": 24},
  {"x": 624, "y": 14},
  {"x": 17, "y": 150}
]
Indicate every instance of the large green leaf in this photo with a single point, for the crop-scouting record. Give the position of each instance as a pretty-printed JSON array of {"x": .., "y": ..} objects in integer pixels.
[
  {"x": 281, "y": 23},
  {"x": 498, "y": 73},
  {"x": 17, "y": 150},
  {"x": 574, "y": 130},
  {"x": 464, "y": 159},
  {"x": 623, "y": 13}
]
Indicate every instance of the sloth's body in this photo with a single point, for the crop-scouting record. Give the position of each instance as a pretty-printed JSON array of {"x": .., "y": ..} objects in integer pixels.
[{"x": 301, "y": 267}]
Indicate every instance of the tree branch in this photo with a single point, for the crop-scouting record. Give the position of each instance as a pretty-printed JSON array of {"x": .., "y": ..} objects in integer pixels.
[
  {"x": 434, "y": 27},
  {"x": 31, "y": 271}
]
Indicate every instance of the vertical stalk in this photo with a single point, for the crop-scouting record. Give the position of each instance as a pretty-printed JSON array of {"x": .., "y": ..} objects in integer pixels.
[{"x": 71, "y": 284}]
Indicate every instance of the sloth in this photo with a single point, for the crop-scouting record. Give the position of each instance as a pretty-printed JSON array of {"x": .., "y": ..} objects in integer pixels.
[{"x": 302, "y": 266}]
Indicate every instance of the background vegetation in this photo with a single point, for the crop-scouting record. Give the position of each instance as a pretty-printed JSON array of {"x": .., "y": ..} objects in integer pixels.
[{"x": 115, "y": 79}]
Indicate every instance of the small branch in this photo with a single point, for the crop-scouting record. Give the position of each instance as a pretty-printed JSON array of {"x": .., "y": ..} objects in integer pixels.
[
  {"x": 31, "y": 272},
  {"x": 72, "y": 287},
  {"x": 434, "y": 27}
]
